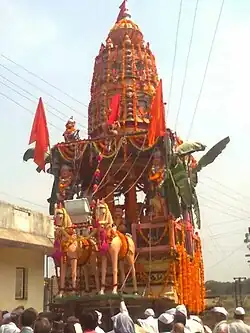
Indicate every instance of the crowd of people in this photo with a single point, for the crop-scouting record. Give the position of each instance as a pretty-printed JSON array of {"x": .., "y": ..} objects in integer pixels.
[{"x": 175, "y": 320}]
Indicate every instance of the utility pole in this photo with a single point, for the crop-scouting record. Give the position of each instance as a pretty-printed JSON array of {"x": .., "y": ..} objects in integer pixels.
[{"x": 238, "y": 290}]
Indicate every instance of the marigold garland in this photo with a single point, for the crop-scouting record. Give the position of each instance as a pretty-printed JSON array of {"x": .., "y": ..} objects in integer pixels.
[{"x": 190, "y": 281}]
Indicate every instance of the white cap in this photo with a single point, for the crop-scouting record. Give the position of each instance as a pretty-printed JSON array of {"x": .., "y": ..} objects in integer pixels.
[
  {"x": 99, "y": 314},
  {"x": 149, "y": 312},
  {"x": 6, "y": 316},
  {"x": 181, "y": 309},
  {"x": 166, "y": 318},
  {"x": 239, "y": 311},
  {"x": 171, "y": 311},
  {"x": 220, "y": 309}
]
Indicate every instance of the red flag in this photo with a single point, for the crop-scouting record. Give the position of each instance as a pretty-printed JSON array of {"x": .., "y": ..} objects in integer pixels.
[
  {"x": 122, "y": 11},
  {"x": 40, "y": 135},
  {"x": 115, "y": 108},
  {"x": 157, "y": 126}
]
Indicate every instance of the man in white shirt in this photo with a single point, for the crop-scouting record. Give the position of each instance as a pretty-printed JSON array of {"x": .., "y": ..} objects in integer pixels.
[
  {"x": 220, "y": 319},
  {"x": 238, "y": 325},
  {"x": 10, "y": 327}
]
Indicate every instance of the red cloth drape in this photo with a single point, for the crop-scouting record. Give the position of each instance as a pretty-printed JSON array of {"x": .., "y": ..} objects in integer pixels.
[
  {"x": 40, "y": 135},
  {"x": 157, "y": 126},
  {"x": 115, "y": 108}
]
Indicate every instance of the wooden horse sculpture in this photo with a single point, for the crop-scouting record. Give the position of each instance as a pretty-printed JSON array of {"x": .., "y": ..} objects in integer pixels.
[
  {"x": 71, "y": 248},
  {"x": 114, "y": 243}
]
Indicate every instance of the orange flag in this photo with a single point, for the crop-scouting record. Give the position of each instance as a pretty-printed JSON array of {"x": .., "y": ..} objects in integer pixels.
[
  {"x": 157, "y": 126},
  {"x": 40, "y": 135}
]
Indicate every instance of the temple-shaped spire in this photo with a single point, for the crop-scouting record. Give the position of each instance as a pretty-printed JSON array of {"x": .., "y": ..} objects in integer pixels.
[{"x": 124, "y": 12}]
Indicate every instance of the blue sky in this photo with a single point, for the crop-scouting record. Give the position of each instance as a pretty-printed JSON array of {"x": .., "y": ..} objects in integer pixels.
[{"x": 59, "y": 40}]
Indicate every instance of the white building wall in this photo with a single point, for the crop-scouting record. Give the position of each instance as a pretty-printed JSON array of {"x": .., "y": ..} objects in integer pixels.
[{"x": 10, "y": 259}]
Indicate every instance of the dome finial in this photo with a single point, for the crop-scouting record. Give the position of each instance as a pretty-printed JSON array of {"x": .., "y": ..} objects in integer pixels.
[{"x": 124, "y": 12}]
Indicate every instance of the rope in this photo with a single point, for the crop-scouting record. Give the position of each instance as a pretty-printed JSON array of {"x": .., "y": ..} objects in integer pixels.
[
  {"x": 139, "y": 175},
  {"x": 138, "y": 155},
  {"x": 125, "y": 280},
  {"x": 110, "y": 166},
  {"x": 117, "y": 171}
]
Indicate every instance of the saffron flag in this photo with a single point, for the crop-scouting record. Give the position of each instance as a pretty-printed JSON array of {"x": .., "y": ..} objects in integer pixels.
[
  {"x": 157, "y": 126},
  {"x": 40, "y": 135},
  {"x": 115, "y": 108},
  {"x": 122, "y": 11}
]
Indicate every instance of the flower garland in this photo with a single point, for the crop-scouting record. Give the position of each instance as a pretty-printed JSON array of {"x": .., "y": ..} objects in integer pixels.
[
  {"x": 156, "y": 242},
  {"x": 190, "y": 282}
]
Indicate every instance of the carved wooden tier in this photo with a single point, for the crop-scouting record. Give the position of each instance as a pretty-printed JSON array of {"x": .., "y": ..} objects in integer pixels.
[{"x": 125, "y": 66}]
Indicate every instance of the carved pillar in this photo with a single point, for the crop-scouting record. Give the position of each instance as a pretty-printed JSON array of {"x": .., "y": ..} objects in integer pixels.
[{"x": 131, "y": 202}]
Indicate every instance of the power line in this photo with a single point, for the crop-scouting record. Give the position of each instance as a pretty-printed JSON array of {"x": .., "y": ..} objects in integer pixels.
[
  {"x": 221, "y": 211},
  {"x": 36, "y": 98},
  {"x": 223, "y": 204},
  {"x": 229, "y": 188},
  {"x": 230, "y": 197},
  {"x": 17, "y": 92},
  {"x": 227, "y": 256},
  {"x": 206, "y": 68},
  {"x": 187, "y": 62},
  {"x": 26, "y": 109},
  {"x": 24, "y": 200},
  {"x": 42, "y": 79},
  {"x": 175, "y": 52},
  {"x": 43, "y": 91}
]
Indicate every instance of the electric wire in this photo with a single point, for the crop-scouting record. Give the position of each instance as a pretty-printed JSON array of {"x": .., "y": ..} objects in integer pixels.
[
  {"x": 42, "y": 90},
  {"x": 174, "y": 58},
  {"x": 29, "y": 99},
  {"x": 186, "y": 65},
  {"x": 35, "y": 97},
  {"x": 26, "y": 109},
  {"x": 228, "y": 188},
  {"x": 42, "y": 79},
  {"x": 206, "y": 69}
]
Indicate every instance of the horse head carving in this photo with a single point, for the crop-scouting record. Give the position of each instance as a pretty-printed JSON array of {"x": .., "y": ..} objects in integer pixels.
[
  {"x": 103, "y": 214},
  {"x": 62, "y": 218}
]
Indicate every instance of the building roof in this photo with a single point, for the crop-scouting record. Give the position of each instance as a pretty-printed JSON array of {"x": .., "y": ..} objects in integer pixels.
[{"x": 11, "y": 237}]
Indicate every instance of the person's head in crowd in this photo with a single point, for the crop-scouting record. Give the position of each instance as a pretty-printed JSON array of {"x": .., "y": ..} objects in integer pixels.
[
  {"x": 178, "y": 328},
  {"x": 28, "y": 317},
  {"x": 47, "y": 314},
  {"x": 123, "y": 324},
  {"x": 14, "y": 318},
  {"x": 69, "y": 328},
  {"x": 165, "y": 322},
  {"x": 89, "y": 320},
  {"x": 149, "y": 313},
  {"x": 180, "y": 314},
  {"x": 239, "y": 313},
  {"x": 58, "y": 326},
  {"x": 6, "y": 317},
  {"x": 219, "y": 314},
  {"x": 42, "y": 325},
  {"x": 19, "y": 309}
]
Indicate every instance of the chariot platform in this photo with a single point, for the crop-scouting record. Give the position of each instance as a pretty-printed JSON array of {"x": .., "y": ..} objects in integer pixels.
[{"x": 109, "y": 305}]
